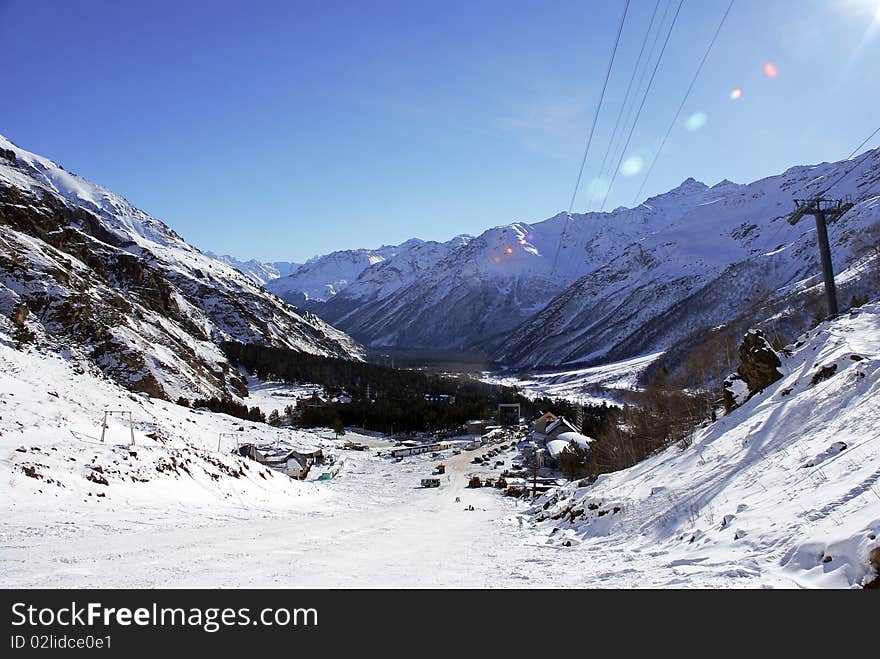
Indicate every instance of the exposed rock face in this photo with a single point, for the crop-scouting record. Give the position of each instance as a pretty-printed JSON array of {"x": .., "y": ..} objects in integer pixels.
[
  {"x": 19, "y": 316},
  {"x": 758, "y": 369},
  {"x": 84, "y": 271}
]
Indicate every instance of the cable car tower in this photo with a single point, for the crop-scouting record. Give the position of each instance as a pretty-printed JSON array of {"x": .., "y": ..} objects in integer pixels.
[{"x": 825, "y": 211}]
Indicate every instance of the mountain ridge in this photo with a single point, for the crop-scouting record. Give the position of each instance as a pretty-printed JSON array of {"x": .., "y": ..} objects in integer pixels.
[
  {"x": 84, "y": 272},
  {"x": 518, "y": 291}
]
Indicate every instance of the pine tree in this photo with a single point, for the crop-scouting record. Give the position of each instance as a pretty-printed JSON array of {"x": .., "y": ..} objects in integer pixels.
[{"x": 573, "y": 461}]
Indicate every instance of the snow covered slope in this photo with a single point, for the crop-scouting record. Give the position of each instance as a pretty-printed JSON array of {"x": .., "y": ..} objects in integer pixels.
[
  {"x": 466, "y": 291},
  {"x": 698, "y": 258},
  {"x": 57, "y": 473},
  {"x": 323, "y": 277},
  {"x": 609, "y": 286},
  {"x": 259, "y": 271},
  {"x": 784, "y": 490},
  {"x": 82, "y": 269}
]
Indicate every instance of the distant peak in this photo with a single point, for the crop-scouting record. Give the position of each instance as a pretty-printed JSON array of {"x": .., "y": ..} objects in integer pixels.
[
  {"x": 723, "y": 183},
  {"x": 691, "y": 182}
]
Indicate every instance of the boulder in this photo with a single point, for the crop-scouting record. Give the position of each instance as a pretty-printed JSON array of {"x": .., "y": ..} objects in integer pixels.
[{"x": 759, "y": 367}]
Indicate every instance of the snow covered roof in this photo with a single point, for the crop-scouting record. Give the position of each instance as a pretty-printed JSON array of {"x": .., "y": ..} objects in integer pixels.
[
  {"x": 557, "y": 445},
  {"x": 583, "y": 441},
  {"x": 557, "y": 423}
]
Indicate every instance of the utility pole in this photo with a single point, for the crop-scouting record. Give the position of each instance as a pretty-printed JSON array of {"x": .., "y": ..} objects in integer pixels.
[
  {"x": 825, "y": 211},
  {"x": 535, "y": 474}
]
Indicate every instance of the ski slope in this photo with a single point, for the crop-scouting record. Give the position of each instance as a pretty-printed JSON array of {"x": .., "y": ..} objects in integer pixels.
[{"x": 762, "y": 498}]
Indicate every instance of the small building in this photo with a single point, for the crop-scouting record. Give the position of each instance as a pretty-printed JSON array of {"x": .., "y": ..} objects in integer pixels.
[
  {"x": 559, "y": 426},
  {"x": 295, "y": 469},
  {"x": 294, "y": 463},
  {"x": 479, "y": 427},
  {"x": 562, "y": 441},
  {"x": 404, "y": 451},
  {"x": 540, "y": 424},
  {"x": 315, "y": 400},
  {"x": 583, "y": 441}
]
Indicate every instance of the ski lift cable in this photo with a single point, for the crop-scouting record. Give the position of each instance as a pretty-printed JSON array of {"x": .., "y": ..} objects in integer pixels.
[
  {"x": 642, "y": 105},
  {"x": 590, "y": 138},
  {"x": 684, "y": 100}
]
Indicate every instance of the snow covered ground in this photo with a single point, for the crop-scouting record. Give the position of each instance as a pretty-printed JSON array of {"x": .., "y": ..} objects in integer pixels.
[
  {"x": 583, "y": 385},
  {"x": 763, "y": 498},
  {"x": 783, "y": 491}
]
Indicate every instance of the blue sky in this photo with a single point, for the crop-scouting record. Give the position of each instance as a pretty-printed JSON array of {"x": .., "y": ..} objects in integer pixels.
[{"x": 279, "y": 130}]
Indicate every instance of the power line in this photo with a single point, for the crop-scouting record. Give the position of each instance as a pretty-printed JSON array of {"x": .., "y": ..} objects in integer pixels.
[
  {"x": 599, "y": 106},
  {"x": 629, "y": 87},
  {"x": 590, "y": 138},
  {"x": 650, "y": 57},
  {"x": 853, "y": 168},
  {"x": 684, "y": 100},
  {"x": 642, "y": 105}
]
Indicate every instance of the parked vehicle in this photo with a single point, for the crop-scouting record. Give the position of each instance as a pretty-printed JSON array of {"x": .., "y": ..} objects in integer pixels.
[
  {"x": 431, "y": 482},
  {"x": 441, "y": 468}
]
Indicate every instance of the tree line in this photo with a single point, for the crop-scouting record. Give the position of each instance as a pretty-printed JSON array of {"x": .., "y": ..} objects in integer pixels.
[{"x": 392, "y": 400}]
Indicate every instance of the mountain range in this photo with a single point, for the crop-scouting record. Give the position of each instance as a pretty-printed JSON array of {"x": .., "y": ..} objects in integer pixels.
[{"x": 592, "y": 287}]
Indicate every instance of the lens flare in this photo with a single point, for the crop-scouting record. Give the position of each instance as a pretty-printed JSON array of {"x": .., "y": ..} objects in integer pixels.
[
  {"x": 771, "y": 70},
  {"x": 598, "y": 187},
  {"x": 509, "y": 250},
  {"x": 736, "y": 94},
  {"x": 632, "y": 166},
  {"x": 696, "y": 121}
]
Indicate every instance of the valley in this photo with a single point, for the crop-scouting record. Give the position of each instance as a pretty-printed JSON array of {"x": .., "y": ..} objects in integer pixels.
[{"x": 162, "y": 410}]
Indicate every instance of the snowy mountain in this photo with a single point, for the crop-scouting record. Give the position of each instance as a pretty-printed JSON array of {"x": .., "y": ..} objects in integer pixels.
[
  {"x": 698, "y": 258},
  {"x": 463, "y": 291},
  {"x": 259, "y": 271},
  {"x": 84, "y": 273},
  {"x": 323, "y": 277},
  {"x": 609, "y": 286},
  {"x": 780, "y": 492}
]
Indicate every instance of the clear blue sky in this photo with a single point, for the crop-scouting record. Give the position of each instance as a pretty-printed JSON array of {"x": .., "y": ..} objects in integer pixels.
[{"x": 279, "y": 130}]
